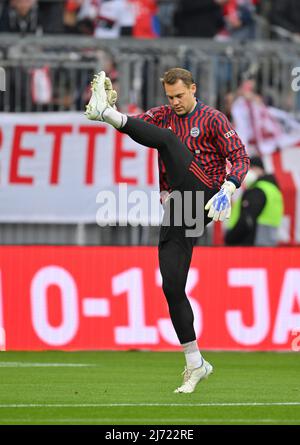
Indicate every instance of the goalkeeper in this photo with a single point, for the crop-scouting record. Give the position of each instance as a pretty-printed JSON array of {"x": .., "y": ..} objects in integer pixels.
[{"x": 193, "y": 142}]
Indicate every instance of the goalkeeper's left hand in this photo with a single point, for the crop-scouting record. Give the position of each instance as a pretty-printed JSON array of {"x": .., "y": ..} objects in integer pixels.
[
  {"x": 219, "y": 205},
  {"x": 111, "y": 94}
]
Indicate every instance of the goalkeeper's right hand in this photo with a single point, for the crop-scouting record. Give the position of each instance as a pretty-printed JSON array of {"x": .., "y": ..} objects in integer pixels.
[{"x": 111, "y": 94}]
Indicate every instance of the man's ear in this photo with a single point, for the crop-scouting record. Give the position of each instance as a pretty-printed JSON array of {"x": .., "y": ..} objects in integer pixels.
[{"x": 193, "y": 88}]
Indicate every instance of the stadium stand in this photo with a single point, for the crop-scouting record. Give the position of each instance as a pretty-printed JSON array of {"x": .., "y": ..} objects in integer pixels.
[{"x": 47, "y": 73}]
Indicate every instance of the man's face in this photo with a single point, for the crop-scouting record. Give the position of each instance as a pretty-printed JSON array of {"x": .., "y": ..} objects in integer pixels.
[
  {"x": 181, "y": 97},
  {"x": 253, "y": 174},
  {"x": 23, "y": 6}
]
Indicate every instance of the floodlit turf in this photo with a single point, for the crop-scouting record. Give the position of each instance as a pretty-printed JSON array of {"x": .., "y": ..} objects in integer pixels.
[{"x": 137, "y": 388}]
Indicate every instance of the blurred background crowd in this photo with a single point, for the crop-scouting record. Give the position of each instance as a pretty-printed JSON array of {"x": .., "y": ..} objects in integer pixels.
[
  {"x": 59, "y": 87},
  {"x": 218, "y": 19}
]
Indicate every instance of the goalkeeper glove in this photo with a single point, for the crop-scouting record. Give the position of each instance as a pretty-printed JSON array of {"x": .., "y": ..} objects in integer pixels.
[
  {"x": 111, "y": 94},
  {"x": 219, "y": 205}
]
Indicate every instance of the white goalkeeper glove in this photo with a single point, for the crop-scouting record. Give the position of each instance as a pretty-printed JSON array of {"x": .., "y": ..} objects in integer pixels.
[
  {"x": 219, "y": 205},
  {"x": 111, "y": 94}
]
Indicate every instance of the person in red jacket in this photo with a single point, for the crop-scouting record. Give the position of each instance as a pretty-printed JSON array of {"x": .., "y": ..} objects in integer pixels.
[
  {"x": 146, "y": 22},
  {"x": 239, "y": 19}
]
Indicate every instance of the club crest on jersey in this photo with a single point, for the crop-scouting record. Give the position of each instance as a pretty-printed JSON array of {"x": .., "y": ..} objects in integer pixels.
[
  {"x": 229, "y": 134},
  {"x": 195, "y": 132}
]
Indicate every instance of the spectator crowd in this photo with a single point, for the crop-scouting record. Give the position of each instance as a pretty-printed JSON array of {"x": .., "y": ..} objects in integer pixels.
[{"x": 219, "y": 19}]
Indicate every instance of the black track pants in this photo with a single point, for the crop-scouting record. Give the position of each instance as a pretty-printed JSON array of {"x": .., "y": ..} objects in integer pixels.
[
  {"x": 175, "y": 248},
  {"x": 175, "y": 155}
]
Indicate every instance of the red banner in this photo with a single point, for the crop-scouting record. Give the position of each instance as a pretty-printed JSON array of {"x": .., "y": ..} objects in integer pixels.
[{"x": 83, "y": 298}]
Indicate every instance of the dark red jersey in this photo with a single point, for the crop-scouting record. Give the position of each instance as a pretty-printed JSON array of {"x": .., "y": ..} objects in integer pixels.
[{"x": 210, "y": 136}]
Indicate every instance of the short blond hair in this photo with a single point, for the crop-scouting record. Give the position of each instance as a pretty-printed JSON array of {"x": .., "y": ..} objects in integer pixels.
[{"x": 174, "y": 74}]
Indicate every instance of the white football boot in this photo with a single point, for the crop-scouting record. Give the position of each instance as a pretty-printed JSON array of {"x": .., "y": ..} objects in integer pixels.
[
  {"x": 191, "y": 377},
  {"x": 98, "y": 102}
]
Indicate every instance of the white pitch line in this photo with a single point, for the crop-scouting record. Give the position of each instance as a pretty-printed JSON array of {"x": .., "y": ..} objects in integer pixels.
[
  {"x": 108, "y": 422},
  {"x": 42, "y": 365},
  {"x": 116, "y": 405}
]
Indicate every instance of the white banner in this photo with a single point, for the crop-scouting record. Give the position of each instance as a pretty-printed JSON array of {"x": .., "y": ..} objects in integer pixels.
[
  {"x": 54, "y": 166},
  {"x": 264, "y": 129},
  {"x": 62, "y": 168}
]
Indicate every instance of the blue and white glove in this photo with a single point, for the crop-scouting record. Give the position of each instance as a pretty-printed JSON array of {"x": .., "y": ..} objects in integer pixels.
[{"x": 219, "y": 205}]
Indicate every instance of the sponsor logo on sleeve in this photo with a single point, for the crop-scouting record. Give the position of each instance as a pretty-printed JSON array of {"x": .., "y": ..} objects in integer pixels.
[
  {"x": 150, "y": 114},
  {"x": 229, "y": 134}
]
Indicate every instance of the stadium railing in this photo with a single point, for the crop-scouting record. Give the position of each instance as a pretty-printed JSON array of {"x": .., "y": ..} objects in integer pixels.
[{"x": 218, "y": 68}]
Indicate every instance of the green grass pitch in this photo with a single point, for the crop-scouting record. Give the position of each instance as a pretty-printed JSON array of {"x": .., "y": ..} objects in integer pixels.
[{"x": 134, "y": 388}]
